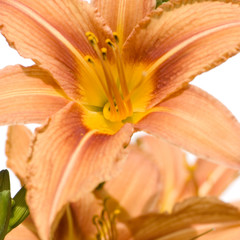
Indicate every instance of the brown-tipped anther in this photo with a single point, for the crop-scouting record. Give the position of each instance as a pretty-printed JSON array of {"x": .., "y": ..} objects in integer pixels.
[
  {"x": 88, "y": 59},
  {"x": 94, "y": 219},
  {"x": 88, "y": 34},
  {"x": 110, "y": 43},
  {"x": 115, "y": 35},
  {"x": 104, "y": 53},
  {"x": 91, "y": 40},
  {"x": 117, "y": 212}
]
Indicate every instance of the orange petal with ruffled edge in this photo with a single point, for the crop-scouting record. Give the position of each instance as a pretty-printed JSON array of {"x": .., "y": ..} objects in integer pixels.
[
  {"x": 196, "y": 121},
  {"x": 17, "y": 150},
  {"x": 123, "y": 15},
  {"x": 180, "y": 224},
  {"x": 28, "y": 95},
  {"x": 21, "y": 233},
  {"x": 52, "y": 33},
  {"x": 69, "y": 160},
  {"x": 182, "y": 39}
]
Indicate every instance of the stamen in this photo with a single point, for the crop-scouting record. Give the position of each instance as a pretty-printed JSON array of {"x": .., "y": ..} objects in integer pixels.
[
  {"x": 91, "y": 39},
  {"x": 110, "y": 81},
  {"x": 121, "y": 74},
  {"x": 109, "y": 42},
  {"x": 109, "y": 97},
  {"x": 90, "y": 34},
  {"x": 88, "y": 59},
  {"x": 119, "y": 105},
  {"x": 115, "y": 35},
  {"x": 104, "y": 53},
  {"x": 105, "y": 223},
  {"x": 112, "y": 88}
]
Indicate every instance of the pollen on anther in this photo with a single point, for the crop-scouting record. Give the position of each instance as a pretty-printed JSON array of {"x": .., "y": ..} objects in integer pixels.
[
  {"x": 88, "y": 59},
  {"x": 109, "y": 42},
  {"x": 88, "y": 34},
  {"x": 104, "y": 52},
  {"x": 91, "y": 40},
  {"x": 115, "y": 35},
  {"x": 91, "y": 37}
]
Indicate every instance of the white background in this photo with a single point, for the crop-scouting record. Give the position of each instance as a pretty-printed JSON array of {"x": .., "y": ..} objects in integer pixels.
[{"x": 223, "y": 82}]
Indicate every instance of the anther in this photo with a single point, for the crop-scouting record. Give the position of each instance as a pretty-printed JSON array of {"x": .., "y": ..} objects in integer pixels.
[
  {"x": 115, "y": 35},
  {"x": 109, "y": 42},
  {"x": 91, "y": 40},
  {"x": 117, "y": 212},
  {"x": 91, "y": 37},
  {"x": 88, "y": 59},
  {"x": 88, "y": 34},
  {"x": 104, "y": 52}
]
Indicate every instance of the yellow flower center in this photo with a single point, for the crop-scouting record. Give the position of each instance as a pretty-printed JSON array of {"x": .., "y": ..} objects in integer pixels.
[{"x": 114, "y": 90}]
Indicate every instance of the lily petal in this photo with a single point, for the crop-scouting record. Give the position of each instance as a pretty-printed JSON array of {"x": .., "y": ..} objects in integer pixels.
[
  {"x": 176, "y": 49},
  {"x": 28, "y": 95},
  {"x": 231, "y": 231},
  {"x": 18, "y": 149},
  {"x": 206, "y": 179},
  {"x": 196, "y": 121},
  {"x": 21, "y": 233},
  {"x": 67, "y": 227},
  {"x": 83, "y": 212},
  {"x": 181, "y": 222},
  {"x": 123, "y": 15},
  {"x": 53, "y": 35},
  {"x": 212, "y": 178},
  {"x": 171, "y": 165},
  {"x": 133, "y": 191},
  {"x": 68, "y": 160}
]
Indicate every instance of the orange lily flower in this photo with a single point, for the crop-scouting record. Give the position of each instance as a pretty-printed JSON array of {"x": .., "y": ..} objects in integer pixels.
[
  {"x": 136, "y": 200},
  {"x": 102, "y": 74}
]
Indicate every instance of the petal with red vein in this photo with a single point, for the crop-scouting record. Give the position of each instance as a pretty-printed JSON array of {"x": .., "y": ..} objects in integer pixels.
[
  {"x": 53, "y": 34},
  {"x": 196, "y": 121},
  {"x": 18, "y": 149},
  {"x": 68, "y": 160},
  {"x": 123, "y": 15},
  {"x": 28, "y": 95},
  {"x": 182, "y": 39}
]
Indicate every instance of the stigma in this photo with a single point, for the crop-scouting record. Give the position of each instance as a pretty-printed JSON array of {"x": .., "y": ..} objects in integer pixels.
[{"x": 112, "y": 78}]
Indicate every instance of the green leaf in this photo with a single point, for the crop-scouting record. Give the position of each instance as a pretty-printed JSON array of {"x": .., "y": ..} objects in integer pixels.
[
  {"x": 159, "y": 2},
  {"x": 19, "y": 211},
  {"x": 4, "y": 180},
  {"x": 5, "y": 212}
]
